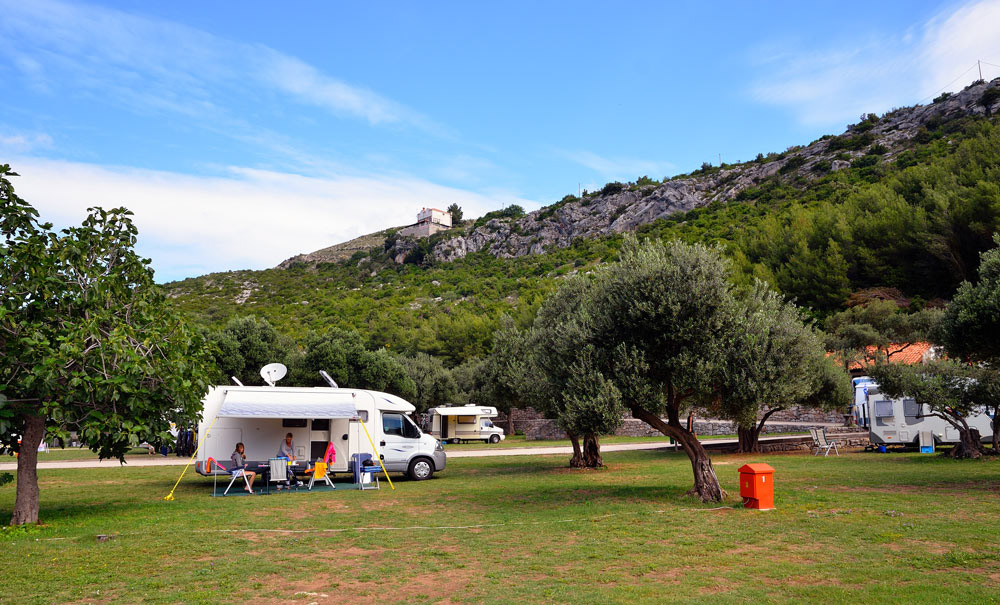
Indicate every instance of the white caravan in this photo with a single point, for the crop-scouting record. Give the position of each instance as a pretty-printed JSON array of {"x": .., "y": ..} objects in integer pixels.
[
  {"x": 900, "y": 421},
  {"x": 260, "y": 417},
  {"x": 465, "y": 423}
]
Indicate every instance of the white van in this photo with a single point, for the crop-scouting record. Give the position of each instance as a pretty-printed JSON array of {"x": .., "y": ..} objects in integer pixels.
[
  {"x": 900, "y": 421},
  {"x": 465, "y": 423},
  {"x": 260, "y": 417}
]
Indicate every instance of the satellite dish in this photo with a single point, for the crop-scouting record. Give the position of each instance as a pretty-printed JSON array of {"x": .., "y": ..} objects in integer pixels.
[{"x": 273, "y": 372}]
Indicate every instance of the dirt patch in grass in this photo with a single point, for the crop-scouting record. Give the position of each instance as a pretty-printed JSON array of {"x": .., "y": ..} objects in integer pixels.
[
  {"x": 323, "y": 587},
  {"x": 718, "y": 585},
  {"x": 805, "y": 580},
  {"x": 924, "y": 546}
]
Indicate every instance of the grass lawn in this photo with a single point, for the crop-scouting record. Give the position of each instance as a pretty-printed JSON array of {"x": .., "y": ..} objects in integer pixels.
[{"x": 858, "y": 528}]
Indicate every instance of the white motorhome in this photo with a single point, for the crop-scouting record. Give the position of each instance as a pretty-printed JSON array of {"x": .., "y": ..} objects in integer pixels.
[
  {"x": 900, "y": 421},
  {"x": 465, "y": 423},
  {"x": 260, "y": 417}
]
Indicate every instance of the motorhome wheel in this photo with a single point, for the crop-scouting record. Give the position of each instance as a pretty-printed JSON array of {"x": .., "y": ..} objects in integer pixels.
[
  {"x": 494, "y": 438},
  {"x": 420, "y": 469}
]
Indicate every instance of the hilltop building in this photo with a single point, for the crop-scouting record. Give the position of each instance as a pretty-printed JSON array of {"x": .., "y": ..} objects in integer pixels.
[{"x": 429, "y": 222}]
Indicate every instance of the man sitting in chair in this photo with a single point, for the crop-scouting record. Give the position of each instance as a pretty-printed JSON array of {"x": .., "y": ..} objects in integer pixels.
[
  {"x": 240, "y": 464},
  {"x": 287, "y": 450}
]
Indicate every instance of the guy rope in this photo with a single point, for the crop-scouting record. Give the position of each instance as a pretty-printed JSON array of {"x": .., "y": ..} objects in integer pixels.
[{"x": 169, "y": 497}]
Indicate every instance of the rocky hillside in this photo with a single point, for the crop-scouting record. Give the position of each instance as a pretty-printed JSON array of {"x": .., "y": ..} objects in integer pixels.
[
  {"x": 619, "y": 207},
  {"x": 624, "y": 207}
]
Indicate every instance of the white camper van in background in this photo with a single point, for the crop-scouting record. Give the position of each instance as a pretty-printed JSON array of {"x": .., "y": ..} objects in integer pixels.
[
  {"x": 260, "y": 417},
  {"x": 900, "y": 421},
  {"x": 465, "y": 423}
]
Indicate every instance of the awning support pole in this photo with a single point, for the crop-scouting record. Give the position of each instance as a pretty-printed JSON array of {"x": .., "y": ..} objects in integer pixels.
[{"x": 169, "y": 497}]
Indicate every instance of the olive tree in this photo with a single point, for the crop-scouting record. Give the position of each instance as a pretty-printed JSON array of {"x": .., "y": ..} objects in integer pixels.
[
  {"x": 566, "y": 379},
  {"x": 507, "y": 375},
  {"x": 433, "y": 384},
  {"x": 661, "y": 316},
  {"x": 89, "y": 342},
  {"x": 774, "y": 359},
  {"x": 877, "y": 330}
]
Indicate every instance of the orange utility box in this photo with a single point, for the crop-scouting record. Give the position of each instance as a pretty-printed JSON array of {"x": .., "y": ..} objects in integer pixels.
[{"x": 757, "y": 486}]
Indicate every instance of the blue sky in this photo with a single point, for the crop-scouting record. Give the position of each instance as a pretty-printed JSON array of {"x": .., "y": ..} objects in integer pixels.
[{"x": 242, "y": 134}]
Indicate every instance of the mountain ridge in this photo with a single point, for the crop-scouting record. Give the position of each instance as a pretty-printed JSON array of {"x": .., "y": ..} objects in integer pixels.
[{"x": 615, "y": 209}]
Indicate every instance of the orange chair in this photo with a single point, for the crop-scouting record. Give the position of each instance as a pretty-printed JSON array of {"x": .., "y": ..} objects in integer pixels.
[{"x": 319, "y": 471}]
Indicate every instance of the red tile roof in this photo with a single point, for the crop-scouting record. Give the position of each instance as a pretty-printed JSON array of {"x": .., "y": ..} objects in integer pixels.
[{"x": 907, "y": 353}]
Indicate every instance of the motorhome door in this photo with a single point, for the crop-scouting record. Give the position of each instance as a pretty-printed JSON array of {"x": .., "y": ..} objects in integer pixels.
[{"x": 400, "y": 438}]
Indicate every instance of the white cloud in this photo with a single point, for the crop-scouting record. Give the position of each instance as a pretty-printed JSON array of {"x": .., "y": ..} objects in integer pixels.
[
  {"x": 149, "y": 65},
  {"x": 621, "y": 169},
  {"x": 835, "y": 85},
  {"x": 191, "y": 225},
  {"x": 956, "y": 40},
  {"x": 21, "y": 142}
]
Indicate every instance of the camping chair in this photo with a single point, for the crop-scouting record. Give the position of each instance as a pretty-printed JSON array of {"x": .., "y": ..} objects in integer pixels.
[
  {"x": 822, "y": 443},
  {"x": 237, "y": 473},
  {"x": 320, "y": 470},
  {"x": 278, "y": 468}
]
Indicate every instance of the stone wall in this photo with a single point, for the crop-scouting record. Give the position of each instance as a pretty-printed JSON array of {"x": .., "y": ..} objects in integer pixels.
[
  {"x": 549, "y": 429},
  {"x": 847, "y": 439},
  {"x": 792, "y": 414}
]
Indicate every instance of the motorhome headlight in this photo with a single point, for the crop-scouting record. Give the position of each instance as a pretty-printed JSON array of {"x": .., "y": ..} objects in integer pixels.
[{"x": 440, "y": 446}]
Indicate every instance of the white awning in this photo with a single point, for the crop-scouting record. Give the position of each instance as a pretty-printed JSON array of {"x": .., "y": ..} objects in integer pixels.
[
  {"x": 277, "y": 404},
  {"x": 467, "y": 410}
]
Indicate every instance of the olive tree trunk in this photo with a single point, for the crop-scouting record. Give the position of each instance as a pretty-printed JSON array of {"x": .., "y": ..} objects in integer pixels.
[
  {"x": 26, "y": 501},
  {"x": 706, "y": 483},
  {"x": 592, "y": 452},
  {"x": 577, "y": 460},
  {"x": 749, "y": 437},
  {"x": 970, "y": 444}
]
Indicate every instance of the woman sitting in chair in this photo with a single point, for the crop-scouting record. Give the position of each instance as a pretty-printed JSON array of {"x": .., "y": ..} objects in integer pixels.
[{"x": 240, "y": 464}]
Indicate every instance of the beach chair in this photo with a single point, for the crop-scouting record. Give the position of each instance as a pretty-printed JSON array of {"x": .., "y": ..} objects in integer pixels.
[
  {"x": 822, "y": 443},
  {"x": 320, "y": 470}
]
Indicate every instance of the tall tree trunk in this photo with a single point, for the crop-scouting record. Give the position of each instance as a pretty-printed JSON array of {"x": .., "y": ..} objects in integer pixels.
[
  {"x": 749, "y": 437},
  {"x": 510, "y": 423},
  {"x": 749, "y": 440},
  {"x": 969, "y": 444},
  {"x": 592, "y": 452},
  {"x": 26, "y": 502},
  {"x": 706, "y": 483},
  {"x": 577, "y": 460}
]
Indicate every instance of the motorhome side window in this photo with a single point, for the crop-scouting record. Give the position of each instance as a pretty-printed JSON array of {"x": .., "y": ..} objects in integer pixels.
[
  {"x": 883, "y": 408},
  {"x": 467, "y": 420}
]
